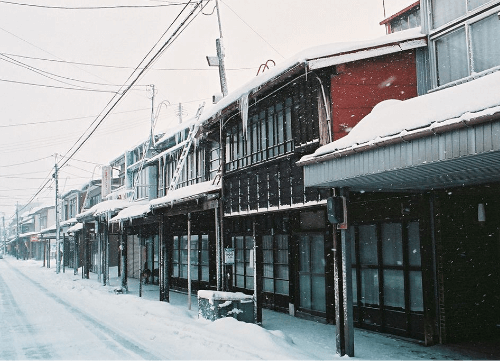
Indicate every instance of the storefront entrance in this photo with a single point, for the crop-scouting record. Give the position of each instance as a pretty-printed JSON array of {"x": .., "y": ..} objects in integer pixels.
[
  {"x": 312, "y": 273},
  {"x": 387, "y": 277}
]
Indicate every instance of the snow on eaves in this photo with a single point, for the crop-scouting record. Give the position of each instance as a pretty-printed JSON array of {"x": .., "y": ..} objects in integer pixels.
[
  {"x": 305, "y": 56},
  {"x": 75, "y": 228},
  {"x": 190, "y": 192},
  {"x": 136, "y": 210},
  {"x": 396, "y": 118},
  {"x": 103, "y": 207}
]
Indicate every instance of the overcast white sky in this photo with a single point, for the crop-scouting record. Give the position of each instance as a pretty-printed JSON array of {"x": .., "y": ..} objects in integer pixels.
[{"x": 254, "y": 31}]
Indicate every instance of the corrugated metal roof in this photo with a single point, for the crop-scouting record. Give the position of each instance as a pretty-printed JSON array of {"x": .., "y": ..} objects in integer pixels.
[{"x": 460, "y": 157}]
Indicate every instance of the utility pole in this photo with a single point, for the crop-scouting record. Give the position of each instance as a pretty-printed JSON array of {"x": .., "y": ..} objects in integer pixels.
[
  {"x": 219, "y": 60},
  {"x": 17, "y": 230},
  {"x": 220, "y": 54},
  {"x": 3, "y": 232},
  {"x": 58, "y": 258},
  {"x": 152, "y": 141}
]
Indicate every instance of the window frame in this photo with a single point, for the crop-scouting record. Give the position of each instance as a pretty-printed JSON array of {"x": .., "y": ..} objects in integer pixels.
[{"x": 463, "y": 22}]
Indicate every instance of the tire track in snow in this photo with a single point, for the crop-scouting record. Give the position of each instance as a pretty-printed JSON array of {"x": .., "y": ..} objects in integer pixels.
[
  {"x": 12, "y": 315},
  {"x": 94, "y": 324}
]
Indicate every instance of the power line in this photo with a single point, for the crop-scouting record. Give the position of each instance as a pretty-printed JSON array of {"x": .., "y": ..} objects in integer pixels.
[
  {"x": 65, "y": 120},
  {"x": 151, "y": 61},
  {"x": 260, "y": 36},
  {"x": 30, "y": 161},
  {"x": 171, "y": 3},
  {"x": 123, "y": 67},
  {"x": 47, "y": 73},
  {"x": 57, "y": 87}
]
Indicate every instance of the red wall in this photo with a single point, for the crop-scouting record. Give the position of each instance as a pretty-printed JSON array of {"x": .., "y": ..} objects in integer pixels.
[{"x": 360, "y": 85}]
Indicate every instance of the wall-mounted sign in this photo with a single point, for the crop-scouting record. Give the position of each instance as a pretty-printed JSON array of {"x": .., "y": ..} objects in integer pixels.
[
  {"x": 229, "y": 256},
  {"x": 106, "y": 181}
]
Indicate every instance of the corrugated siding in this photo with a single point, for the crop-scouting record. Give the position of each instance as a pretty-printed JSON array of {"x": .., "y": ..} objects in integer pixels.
[{"x": 457, "y": 157}]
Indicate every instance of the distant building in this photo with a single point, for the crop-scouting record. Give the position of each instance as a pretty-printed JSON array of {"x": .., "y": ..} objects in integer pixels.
[{"x": 405, "y": 19}]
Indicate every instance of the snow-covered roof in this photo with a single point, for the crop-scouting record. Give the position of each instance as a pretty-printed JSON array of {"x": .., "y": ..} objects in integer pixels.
[
  {"x": 169, "y": 132},
  {"x": 104, "y": 207},
  {"x": 27, "y": 234},
  {"x": 305, "y": 56},
  {"x": 40, "y": 208},
  {"x": 68, "y": 222},
  {"x": 136, "y": 210},
  {"x": 48, "y": 229},
  {"x": 403, "y": 119},
  {"x": 185, "y": 193},
  {"x": 75, "y": 228}
]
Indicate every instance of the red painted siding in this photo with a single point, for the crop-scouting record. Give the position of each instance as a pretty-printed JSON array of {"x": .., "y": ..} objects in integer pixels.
[{"x": 360, "y": 85}]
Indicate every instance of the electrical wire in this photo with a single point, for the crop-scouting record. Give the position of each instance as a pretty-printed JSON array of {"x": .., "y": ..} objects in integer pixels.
[
  {"x": 65, "y": 120},
  {"x": 57, "y": 87},
  {"x": 123, "y": 67},
  {"x": 23, "y": 163},
  {"x": 171, "y": 3},
  {"x": 260, "y": 36},
  {"x": 149, "y": 63},
  {"x": 50, "y": 75},
  {"x": 174, "y": 36}
]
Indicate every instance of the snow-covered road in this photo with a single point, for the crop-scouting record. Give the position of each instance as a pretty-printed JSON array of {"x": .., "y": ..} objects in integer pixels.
[
  {"x": 44, "y": 315},
  {"x": 38, "y": 324}
]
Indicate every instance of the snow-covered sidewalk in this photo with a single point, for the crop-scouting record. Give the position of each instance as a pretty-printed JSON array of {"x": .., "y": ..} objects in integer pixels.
[{"x": 172, "y": 329}]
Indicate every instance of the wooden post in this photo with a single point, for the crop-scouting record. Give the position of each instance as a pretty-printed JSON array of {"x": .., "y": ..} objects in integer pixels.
[
  {"x": 218, "y": 250},
  {"x": 123, "y": 260},
  {"x": 141, "y": 263},
  {"x": 76, "y": 255},
  {"x": 164, "y": 271},
  {"x": 189, "y": 259},
  {"x": 343, "y": 285}
]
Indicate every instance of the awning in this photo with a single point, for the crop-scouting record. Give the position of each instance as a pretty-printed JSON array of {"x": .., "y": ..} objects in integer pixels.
[
  {"x": 444, "y": 139},
  {"x": 75, "y": 228},
  {"x": 184, "y": 194},
  {"x": 111, "y": 206},
  {"x": 135, "y": 211}
]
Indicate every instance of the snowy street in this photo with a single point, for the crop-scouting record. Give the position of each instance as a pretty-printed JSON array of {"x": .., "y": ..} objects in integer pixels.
[
  {"x": 61, "y": 316},
  {"x": 38, "y": 324}
]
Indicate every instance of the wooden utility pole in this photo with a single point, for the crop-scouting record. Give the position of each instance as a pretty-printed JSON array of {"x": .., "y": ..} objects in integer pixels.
[{"x": 58, "y": 245}]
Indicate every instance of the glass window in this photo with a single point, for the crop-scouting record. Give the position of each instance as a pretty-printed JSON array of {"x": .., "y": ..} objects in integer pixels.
[
  {"x": 485, "y": 45},
  {"x": 368, "y": 244},
  {"x": 243, "y": 248},
  {"x": 204, "y": 258},
  {"x": 472, "y": 4},
  {"x": 392, "y": 244},
  {"x": 414, "y": 244},
  {"x": 369, "y": 287},
  {"x": 288, "y": 123},
  {"x": 444, "y": 11},
  {"x": 451, "y": 57},
  {"x": 394, "y": 292},
  {"x": 416, "y": 295}
]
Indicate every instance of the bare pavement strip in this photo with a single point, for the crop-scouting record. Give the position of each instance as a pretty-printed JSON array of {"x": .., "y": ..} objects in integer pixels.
[{"x": 31, "y": 331}]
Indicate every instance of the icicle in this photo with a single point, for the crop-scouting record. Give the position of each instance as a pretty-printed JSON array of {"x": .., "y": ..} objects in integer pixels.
[{"x": 243, "y": 104}]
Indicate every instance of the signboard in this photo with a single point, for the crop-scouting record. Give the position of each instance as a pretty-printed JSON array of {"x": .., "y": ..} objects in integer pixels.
[
  {"x": 107, "y": 174},
  {"x": 229, "y": 256},
  {"x": 34, "y": 238}
]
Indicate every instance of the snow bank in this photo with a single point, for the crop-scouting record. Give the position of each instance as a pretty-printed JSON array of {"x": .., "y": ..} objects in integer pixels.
[{"x": 212, "y": 296}]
